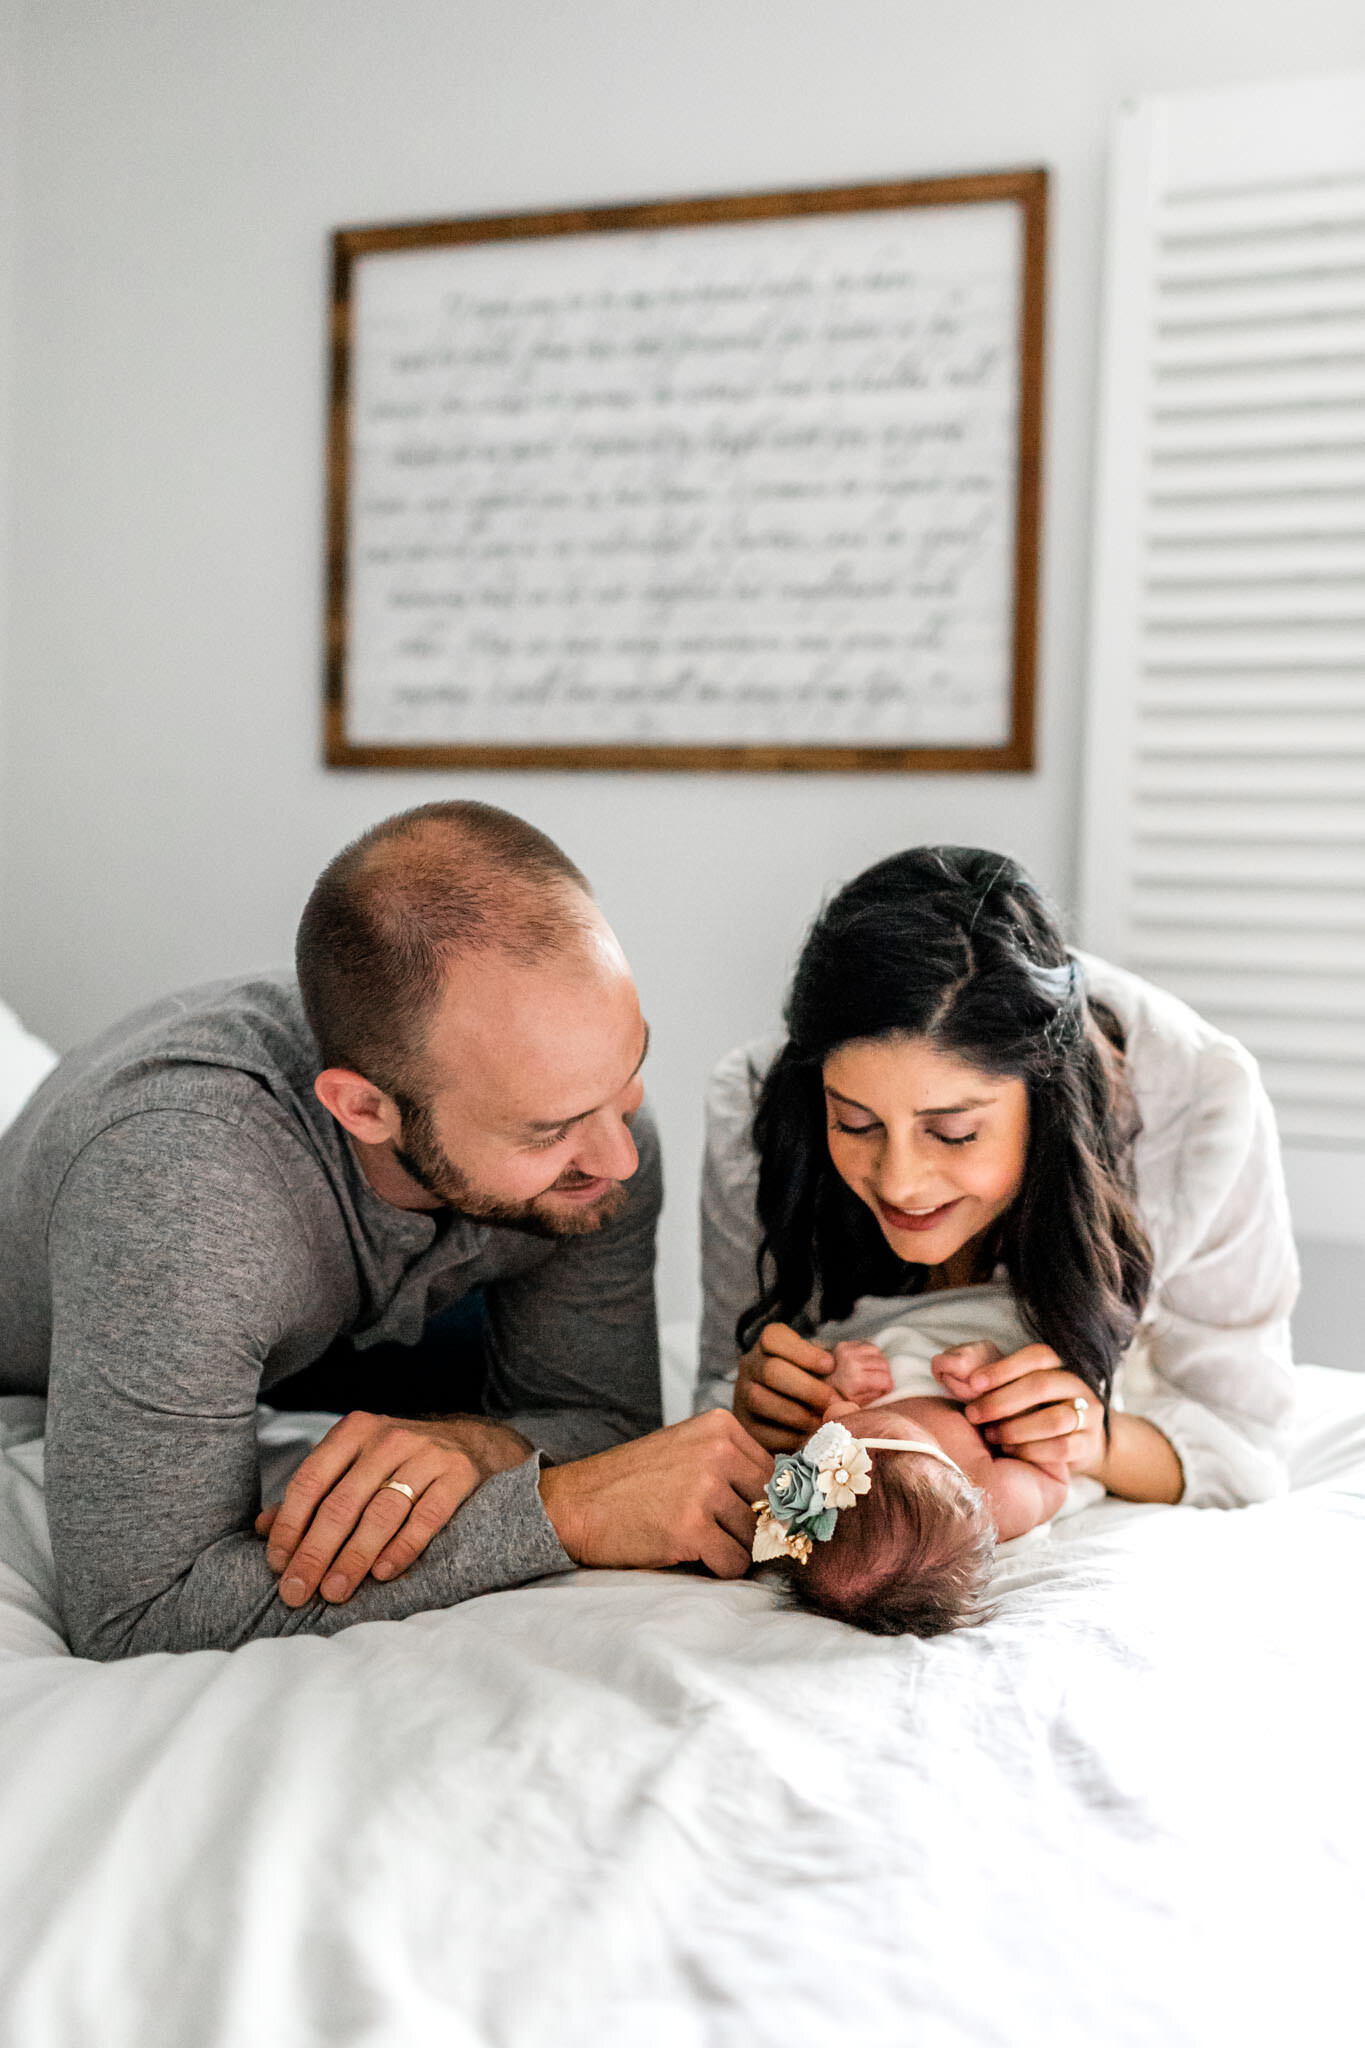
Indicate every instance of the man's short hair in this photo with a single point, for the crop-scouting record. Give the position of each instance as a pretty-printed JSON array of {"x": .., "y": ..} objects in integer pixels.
[{"x": 398, "y": 906}]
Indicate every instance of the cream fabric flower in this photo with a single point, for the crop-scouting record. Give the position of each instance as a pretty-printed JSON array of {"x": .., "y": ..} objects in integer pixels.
[
  {"x": 841, "y": 1484},
  {"x": 842, "y": 1465},
  {"x": 770, "y": 1539}
]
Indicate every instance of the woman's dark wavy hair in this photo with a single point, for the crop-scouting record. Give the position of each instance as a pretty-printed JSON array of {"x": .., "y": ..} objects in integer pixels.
[{"x": 956, "y": 945}]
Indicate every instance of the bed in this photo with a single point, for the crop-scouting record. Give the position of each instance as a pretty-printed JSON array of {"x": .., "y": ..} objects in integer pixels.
[{"x": 650, "y": 1808}]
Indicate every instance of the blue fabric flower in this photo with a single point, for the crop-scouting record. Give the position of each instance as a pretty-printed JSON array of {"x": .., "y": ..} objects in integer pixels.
[
  {"x": 795, "y": 1498},
  {"x": 792, "y": 1491}
]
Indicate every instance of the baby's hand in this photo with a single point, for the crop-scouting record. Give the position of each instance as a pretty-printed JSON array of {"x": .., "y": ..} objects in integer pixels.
[
  {"x": 861, "y": 1373},
  {"x": 952, "y": 1369}
]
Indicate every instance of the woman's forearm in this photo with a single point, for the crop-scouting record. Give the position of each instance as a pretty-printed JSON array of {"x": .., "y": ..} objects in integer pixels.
[{"x": 1140, "y": 1463}]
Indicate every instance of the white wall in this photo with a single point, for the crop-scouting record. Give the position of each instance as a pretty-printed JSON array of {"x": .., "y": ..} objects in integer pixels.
[{"x": 181, "y": 162}]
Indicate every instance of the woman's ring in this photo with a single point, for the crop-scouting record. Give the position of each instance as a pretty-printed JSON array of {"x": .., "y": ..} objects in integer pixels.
[
  {"x": 1080, "y": 1404},
  {"x": 398, "y": 1486}
]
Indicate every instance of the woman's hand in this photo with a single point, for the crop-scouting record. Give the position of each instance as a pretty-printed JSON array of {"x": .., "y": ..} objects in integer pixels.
[
  {"x": 339, "y": 1518},
  {"x": 1025, "y": 1406},
  {"x": 783, "y": 1388}
]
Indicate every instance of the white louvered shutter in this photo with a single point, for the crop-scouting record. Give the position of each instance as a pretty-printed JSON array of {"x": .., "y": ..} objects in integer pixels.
[{"x": 1224, "y": 851}]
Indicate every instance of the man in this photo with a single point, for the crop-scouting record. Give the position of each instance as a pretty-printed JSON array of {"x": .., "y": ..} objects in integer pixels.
[{"x": 268, "y": 1176}]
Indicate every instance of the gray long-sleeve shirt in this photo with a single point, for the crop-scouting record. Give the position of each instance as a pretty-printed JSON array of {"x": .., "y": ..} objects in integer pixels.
[{"x": 182, "y": 1224}]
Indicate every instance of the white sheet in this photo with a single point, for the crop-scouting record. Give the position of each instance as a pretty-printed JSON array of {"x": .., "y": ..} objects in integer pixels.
[
  {"x": 24, "y": 1062},
  {"x": 650, "y": 1809}
]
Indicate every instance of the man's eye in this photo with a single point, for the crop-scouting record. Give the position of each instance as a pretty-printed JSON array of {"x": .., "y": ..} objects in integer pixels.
[{"x": 547, "y": 1144}]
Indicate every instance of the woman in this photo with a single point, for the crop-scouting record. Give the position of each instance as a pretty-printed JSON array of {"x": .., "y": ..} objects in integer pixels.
[{"x": 961, "y": 1104}]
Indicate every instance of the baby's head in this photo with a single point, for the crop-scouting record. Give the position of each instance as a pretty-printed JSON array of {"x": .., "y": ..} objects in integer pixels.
[{"x": 910, "y": 1555}]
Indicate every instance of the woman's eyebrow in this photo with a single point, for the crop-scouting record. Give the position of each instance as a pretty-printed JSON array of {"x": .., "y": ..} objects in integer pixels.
[{"x": 947, "y": 1109}]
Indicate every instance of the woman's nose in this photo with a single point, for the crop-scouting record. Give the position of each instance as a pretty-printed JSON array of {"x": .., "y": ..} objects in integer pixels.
[{"x": 906, "y": 1179}]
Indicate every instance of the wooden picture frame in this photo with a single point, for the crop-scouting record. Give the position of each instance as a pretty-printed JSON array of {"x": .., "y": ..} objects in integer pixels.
[{"x": 367, "y": 484}]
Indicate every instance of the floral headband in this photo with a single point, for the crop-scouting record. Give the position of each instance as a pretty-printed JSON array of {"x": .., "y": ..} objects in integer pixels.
[{"x": 808, "y": 1488}]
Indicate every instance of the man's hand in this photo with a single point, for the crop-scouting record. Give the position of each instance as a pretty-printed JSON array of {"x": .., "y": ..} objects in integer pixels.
[
  {"x": 339, "y": 1520},
  {"x": 782, "y": 1391},
  {"x": 676, "y": 1496}
]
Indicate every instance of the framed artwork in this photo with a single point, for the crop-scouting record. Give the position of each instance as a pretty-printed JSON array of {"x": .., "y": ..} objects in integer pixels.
[{"x": 730, "y": 483}]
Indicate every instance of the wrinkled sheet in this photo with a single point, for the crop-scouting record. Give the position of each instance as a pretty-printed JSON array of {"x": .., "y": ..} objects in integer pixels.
[{"x": 653, "y": 1809}]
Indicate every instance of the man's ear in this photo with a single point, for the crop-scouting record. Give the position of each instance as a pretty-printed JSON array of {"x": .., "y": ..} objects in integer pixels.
[{"x": 358, "y": 1106}]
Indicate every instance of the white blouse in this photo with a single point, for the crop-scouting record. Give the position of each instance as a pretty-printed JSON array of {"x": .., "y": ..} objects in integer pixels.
[{"x": 1211, "y": 1366}]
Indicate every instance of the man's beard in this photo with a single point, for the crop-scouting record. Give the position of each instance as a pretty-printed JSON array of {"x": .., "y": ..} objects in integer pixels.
[{"x": 420, "y": 1154}]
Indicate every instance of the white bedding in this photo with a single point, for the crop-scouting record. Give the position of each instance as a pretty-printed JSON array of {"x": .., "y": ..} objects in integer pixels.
[{"x": 651, "y": 1809}]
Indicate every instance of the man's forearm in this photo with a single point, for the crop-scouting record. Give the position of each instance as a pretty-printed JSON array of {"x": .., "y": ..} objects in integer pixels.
[{"x": 501, "y": 1537}]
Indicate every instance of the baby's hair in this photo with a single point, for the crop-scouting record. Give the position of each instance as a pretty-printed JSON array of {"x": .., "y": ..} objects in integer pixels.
[{"x": 913, "y": 1560}]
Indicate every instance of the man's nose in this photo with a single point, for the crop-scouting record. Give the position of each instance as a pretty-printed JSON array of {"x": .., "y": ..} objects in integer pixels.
[{"x": 608, "y": 1150}]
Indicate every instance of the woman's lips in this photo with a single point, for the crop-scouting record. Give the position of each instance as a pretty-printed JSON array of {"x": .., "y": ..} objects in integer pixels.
[{"x": 905, "y": 1219}]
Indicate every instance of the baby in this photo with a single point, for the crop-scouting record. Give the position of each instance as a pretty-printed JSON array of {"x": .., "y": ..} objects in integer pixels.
[{"x": 909, "y": 1549}]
